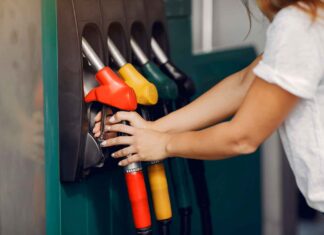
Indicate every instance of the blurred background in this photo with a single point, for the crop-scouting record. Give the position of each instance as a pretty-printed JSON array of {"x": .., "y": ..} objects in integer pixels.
[
  {"x": 222, "y": 24},
  {"x": 218, "y": 28},
  {"x": 22, "y": 194}
]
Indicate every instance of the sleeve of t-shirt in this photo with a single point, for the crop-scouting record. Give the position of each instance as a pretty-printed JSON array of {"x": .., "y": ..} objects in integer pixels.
[{"x": 291, "y": 58}]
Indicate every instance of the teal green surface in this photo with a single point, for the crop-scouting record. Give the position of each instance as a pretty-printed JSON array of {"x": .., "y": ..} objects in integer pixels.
[
  {"x": 178, "y": 8},
  {"x": 180, "y": 179},
  {"x": 100, "y": 205},
  {"x": 50, "y": 84},
  {"x": 167, "y": 88}
]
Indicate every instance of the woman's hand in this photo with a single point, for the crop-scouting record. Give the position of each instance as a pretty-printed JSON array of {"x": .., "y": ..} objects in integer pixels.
[
  {"x": 143, "y": 144},
  {"x": 133, "y": 118}
]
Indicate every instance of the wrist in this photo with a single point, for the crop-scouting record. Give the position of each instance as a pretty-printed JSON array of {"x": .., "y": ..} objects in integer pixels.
[
  {"x": 167, "y": 144},
  {"x": 154, "y": 125},
  {"x": 148, "y": 125}
]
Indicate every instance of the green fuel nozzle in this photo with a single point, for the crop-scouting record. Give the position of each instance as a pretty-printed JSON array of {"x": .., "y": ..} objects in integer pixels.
[{"x": 166, "y": 87}]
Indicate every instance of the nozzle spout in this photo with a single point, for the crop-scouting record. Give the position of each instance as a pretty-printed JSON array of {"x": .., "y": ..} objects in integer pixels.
[
  {"x": 158, "y": 52},
  {"x": 137, "y": 50},
  {"x": 115, "y": 53},
  {"x": 91, "y": 55}
]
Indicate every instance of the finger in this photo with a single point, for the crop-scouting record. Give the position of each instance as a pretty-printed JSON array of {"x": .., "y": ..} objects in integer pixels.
[
  {"x": 98, "y": 117},
  {"x": 120, "y": 128},
  {"x": 121, "y": 140},
  {"x": 122, "y": 116},
  {"x": 107, "y": 119},
  {"x": 129, "y": 160},
  {"x": 124, "y": 152},
  {"x": 97, "y": 135},
  {"x": 96, "y": 127}
]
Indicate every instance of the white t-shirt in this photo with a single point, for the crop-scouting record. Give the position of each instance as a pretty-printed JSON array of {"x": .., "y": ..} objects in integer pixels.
[{"x": 294, "y": 60}]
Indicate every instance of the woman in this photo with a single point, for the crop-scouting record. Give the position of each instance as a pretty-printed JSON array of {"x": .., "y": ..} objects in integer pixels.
[{"x": 283, "y": 88}]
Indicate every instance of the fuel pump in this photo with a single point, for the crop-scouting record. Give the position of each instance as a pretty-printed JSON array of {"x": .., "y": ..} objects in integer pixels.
[
  {"x": 197, "y": 169},
  {"x": 168, "y": 93},
  {"x": 156, "y": 170},
  {"x": 113, "y": 92}
]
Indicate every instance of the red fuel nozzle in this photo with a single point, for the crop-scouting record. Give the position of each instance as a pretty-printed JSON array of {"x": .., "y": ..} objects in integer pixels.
[
  {"x": 114, "y": 92},
  {"x": 138, "y": 198}
]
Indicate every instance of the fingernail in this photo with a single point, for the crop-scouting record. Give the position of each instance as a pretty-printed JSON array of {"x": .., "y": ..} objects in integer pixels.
[
  {"x": 112, "y": 119},
  {"x": 103, "y": 143},
  {"x": 107, "y": 128},
  {"x": 120, "y": 164},
  {"x": 113, "y": 155}
]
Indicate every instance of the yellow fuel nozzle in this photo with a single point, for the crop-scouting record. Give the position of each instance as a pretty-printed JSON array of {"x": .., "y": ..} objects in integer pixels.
[
  {"x": 160, "y": 192},
  {"x": 145, "y": 91}
]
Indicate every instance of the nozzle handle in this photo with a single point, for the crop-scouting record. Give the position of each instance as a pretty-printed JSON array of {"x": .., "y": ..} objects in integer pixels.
[
  {"x": 160, "y": 191},
  {"x": 167, "y": 88},
  {"x": 115, "y": 53},
  {"x": 138, "y": 198},
  {"x": 140, "y": 55},
  {"x": 137, "y": 194},
  {"x": 158, "y": 52},
  {"x": 91, "y": 55}
]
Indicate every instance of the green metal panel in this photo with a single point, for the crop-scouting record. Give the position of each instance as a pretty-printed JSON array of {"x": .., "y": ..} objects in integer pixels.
[
  {"x": 178, "y": 8},
  {"x": 52, "y": 185},
  {"x": 234, "y": 184},
  {"x": 213, "y": 67},
  {"x": 180, "y": 41}
]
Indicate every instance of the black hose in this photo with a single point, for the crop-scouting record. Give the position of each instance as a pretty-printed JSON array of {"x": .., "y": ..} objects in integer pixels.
[
  {"x": 185, "y": 212},
  {"x": 185, "y": 217},
  {"x": 206, "y": 222},
  {"x": 197, "y": 170},
  {"x": 164, "y": 227}
]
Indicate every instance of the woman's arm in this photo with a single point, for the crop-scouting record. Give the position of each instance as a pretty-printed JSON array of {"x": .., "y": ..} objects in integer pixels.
[
  {"x": 264, "y": 109},
  {"x": 217, "y": 104}
]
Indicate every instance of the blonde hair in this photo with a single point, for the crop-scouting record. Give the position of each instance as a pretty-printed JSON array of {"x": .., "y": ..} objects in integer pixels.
[{"x": 271, "y": 7}]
